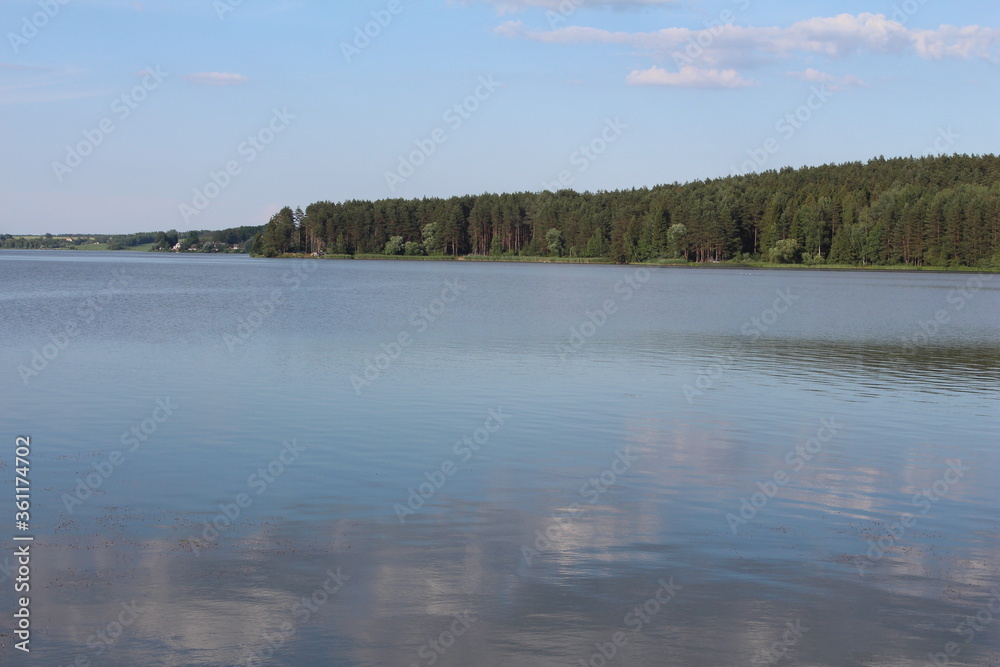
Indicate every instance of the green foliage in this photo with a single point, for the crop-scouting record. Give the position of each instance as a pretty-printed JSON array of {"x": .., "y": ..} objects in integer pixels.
[
  {"x": 340, "y": 245},
  {"x": 395, "y": 246},
  {"x": 931, "y": 211},
  {"x": 939, "y": 211},
  {"x": 279, "y": 233},
  {"x": 677, "y": 240},
  {"x": 165, "y": 240},
  {"x": 433, "y": 238},
  {"x": 786, "y": 251},
  {"x": 496, "y": 246},
  {"x": 554, "y": 242},
  {"x": 205, "y": 241},
  {"x": 597, "y": 245}
]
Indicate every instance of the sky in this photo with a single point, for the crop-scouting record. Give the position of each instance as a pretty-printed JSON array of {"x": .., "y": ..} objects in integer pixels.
[{"x": 120, "y": 116}]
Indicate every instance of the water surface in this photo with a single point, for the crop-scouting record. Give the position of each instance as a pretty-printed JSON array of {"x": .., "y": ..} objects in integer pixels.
[{"x": 586, "y": 437}]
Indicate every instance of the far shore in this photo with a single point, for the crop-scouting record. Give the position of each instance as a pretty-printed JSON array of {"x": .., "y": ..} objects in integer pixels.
[
  {"x": 666, "y": 263},
  {"x": 672, "y": 264}
]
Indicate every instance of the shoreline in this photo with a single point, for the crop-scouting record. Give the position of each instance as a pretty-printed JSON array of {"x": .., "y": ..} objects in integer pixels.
[
  {"x": 599, "y": 261},
  {"x": 668, "y": 265}
]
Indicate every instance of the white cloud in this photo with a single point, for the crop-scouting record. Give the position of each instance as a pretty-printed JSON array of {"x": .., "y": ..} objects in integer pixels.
[
  {"x": 836, "y": 36},
  {"x": 513, "y": 6},
  {"x": 836, "y": 82},
  {"x": 813, "y": 75},
  {"x": 707, "y": 57},
  {"x": 950, "y": 41},
  {"x": 216, "y": 78},
  {"x": 688, "y": 77},
  {"x": 33, "y": 84},
  {"x": 14, "y": 66}
]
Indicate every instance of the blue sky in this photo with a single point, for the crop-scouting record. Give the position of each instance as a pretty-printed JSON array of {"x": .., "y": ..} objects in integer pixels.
[{"x": 122, "y": 116}]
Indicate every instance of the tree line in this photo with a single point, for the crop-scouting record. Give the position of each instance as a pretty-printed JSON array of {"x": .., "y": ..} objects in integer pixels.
[
  {"x": 224, "y": 240},
  {"x": 929, "y": 211}
]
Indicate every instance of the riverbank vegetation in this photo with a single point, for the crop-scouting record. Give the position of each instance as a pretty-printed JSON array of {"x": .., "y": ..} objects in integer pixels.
[
  {"x": 912, "y": 212},
  {"x": 236, "y": 239},
  {"x": 933, "y": 212}
]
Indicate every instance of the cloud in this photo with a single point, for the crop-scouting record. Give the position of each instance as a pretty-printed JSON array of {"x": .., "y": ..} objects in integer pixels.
[
  {"x": 836, "y": 82},
  {"x": 708, "y": 58},
  {"x": 13, "y": 66},
  {"x": 216, "y": 78},
  {"x": 33, "y": 84},
  {"x": 689, "y": 77},
  {"x": 575, "y": 35},
  {"x": 514, "y": 6},
  {"x": 835, "y": 37},
  {"x": 950, "y": 41},
  {"x": 10, "y": 95}
]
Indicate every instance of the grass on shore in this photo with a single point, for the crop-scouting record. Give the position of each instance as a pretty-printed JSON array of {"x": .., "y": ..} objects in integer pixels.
[
  {"x": 663, "y": 261},
  {"x": 541, "y": 260},
  {"x": 408, "y": 258},
  {"x": 853, "y": 267}
]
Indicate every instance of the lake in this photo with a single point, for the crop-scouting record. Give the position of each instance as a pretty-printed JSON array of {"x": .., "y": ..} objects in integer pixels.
[{"x": 310, "y": 462}]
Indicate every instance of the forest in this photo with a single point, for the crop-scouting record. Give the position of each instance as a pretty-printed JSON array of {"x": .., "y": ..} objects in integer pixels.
[
  {"x": 236, "y": 239},
  {"x": 941, "y": 211}
]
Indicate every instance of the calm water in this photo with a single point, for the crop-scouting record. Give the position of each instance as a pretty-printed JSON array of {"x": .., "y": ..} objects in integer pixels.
[{"x": 559, "y": 457}]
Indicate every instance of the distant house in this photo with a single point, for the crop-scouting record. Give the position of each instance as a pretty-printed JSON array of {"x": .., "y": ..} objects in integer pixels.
[{"x": 177, "y": 248}]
